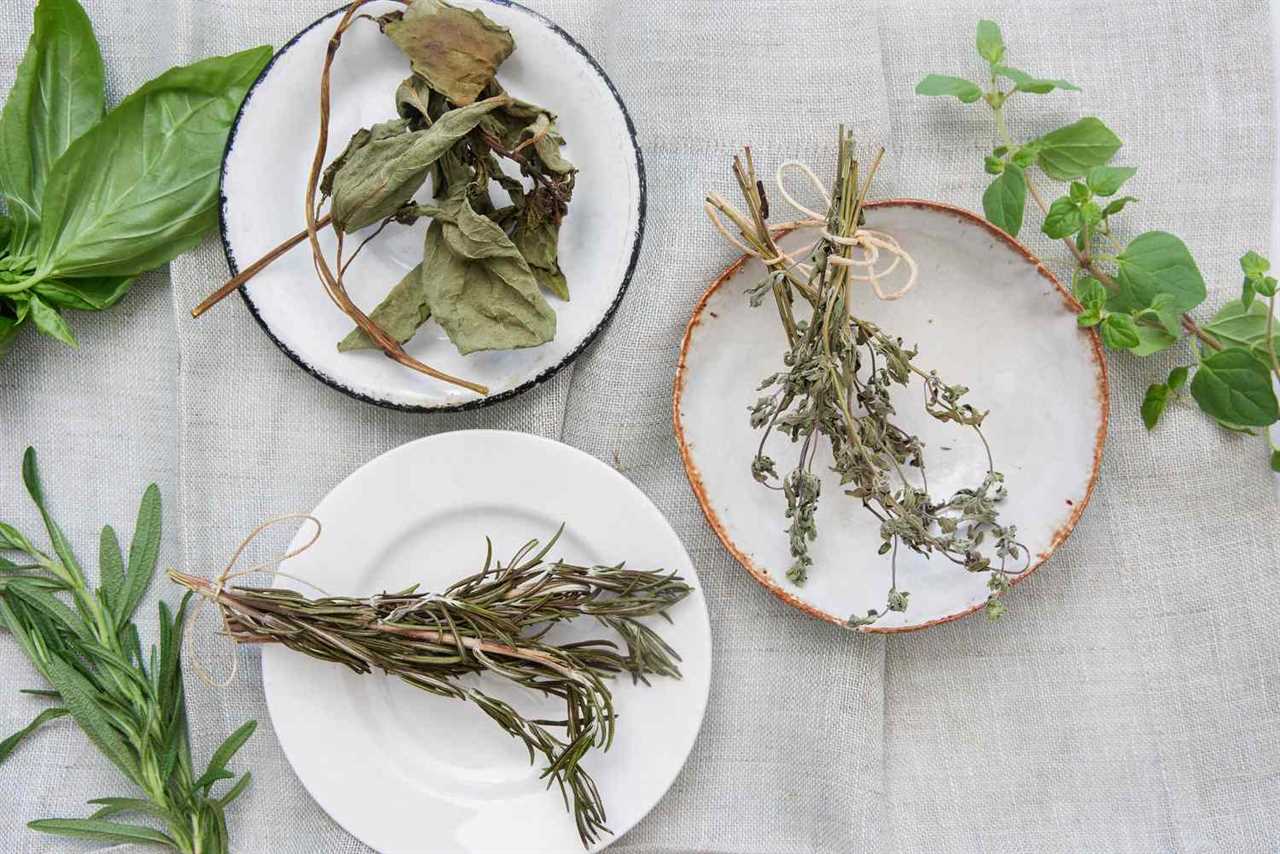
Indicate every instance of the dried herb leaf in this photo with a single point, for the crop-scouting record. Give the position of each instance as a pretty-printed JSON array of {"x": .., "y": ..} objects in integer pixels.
[
  {"x": 399, "y": 314},
  {"x": 537, "y": 237},
  {"x": 379, "y": 172},
  {"x": 480, "y": 289},
  {"x": 413, "y": 101},
  {"x": 457, "y": 51},
  {"x": 547, "y": 143}
]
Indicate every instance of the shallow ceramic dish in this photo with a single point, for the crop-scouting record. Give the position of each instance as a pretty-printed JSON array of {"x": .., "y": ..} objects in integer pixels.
[
  {"x": 264, "y": 175},
  {"x": 986, "y": 315},
  {"x": 405, "y": 771}
]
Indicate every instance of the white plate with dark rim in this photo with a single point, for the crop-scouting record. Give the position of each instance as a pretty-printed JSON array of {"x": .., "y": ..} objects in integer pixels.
[
  {"x": 264, "y": 175},
  {"x": 406, "y": 771},
  {"x": 987, "y": 315}
]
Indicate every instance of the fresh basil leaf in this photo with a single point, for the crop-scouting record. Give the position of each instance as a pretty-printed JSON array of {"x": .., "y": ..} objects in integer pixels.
[
  {"x": 941, "y": 84},
  {"x": 1024, "y": 82},
  {"x": 58, "y": 94},
  {"x": 1153, "y": 263},
  {"x": 1063, "y": 219},
  {"x": 1177, "y": 378},
  {"x": 1153, "y": 404},
  {"x": 1275, "y": 460},
  {"x": 49, "y": 321},
  {"x": 1107, "y": 180},
  {"x": 1120, "y": 332},
  {"x": 1232, "y": 385},
  {"x": 1005, "y": 201},
  {"x": 11, "y": 743},
  {"x": 1152, "y": 339},
  {"x": 457, "y": 51},
  {"x": 400, "y": 314},
  {"x": 141, "y": 186},
  {"x": 1239, "y": 325},
  {"x": 104, "y": 831},
  {"x": 1071, "y": 151},
  {"x": 9, "y": 328},
  {"x": 990, "y": 43},
  {"x": 94, "y": 294}
]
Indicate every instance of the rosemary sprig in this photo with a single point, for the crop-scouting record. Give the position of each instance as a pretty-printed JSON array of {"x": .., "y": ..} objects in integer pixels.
[
  {"x": 131, "y": 706},
  {"x": 495, "y": 621},
  {"x": 837, "y": 383}
]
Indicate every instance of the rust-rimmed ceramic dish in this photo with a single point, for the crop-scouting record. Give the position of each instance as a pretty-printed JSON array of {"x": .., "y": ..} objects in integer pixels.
[{"x": 986, "y": 314}]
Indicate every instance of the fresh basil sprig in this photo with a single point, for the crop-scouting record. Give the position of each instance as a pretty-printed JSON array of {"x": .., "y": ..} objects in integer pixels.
[
  {"x": 1138, "y": 295},
  {"x": 85, "y": 644},
  {"x": 93, "y": 198}
]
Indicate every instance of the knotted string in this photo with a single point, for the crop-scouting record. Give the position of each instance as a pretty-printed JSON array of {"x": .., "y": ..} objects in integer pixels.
[
  {"x": 870, "y": 242},
  {"x": 231, "y": 572}
]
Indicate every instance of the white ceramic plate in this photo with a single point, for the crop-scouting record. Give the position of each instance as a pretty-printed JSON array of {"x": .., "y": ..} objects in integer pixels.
[
  {"x": 409, "y": 772},
  {"x": 986, "y": 315},
  {"x": 264, "y": 177}
]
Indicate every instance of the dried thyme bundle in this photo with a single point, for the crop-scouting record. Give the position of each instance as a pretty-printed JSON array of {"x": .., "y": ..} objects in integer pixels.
[
  {"x": 496, "y": 622},
  {"x": 837, "y": 384},
  {"x": 484, "y": 266}
]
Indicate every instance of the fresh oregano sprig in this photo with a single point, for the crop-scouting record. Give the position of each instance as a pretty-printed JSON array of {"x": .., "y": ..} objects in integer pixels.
[
  {"x": 1139, "y": 295},
  {"x": 130, "y": 705},
  {"x": 492, "y": 622},
  {"x": 838, "y": 384}
]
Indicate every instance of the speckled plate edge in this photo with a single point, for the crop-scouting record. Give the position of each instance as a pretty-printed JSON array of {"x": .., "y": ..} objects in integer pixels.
[
  {"x": 760, "y": 575},
  {"x": 477, "y": 403}
]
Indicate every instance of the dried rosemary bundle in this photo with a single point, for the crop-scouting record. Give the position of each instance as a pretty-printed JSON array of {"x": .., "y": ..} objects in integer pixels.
[
  {"x": 484, "y": 266},
  {"x": 837, "y": 384},
  {"x": 496, "y": 622}
]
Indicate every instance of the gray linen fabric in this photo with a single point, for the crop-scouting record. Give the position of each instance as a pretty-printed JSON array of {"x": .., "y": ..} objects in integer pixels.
[{"x": 1128, "y": 702}]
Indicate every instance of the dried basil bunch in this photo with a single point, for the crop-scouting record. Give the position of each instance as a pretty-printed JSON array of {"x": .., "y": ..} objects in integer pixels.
[
  {"x": 494, "y": 622},
  {"x": 838, "y": 383},
  {"x": 484, "y": 266}
]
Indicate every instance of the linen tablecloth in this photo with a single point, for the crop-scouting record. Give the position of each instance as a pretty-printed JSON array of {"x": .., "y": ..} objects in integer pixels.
[{"x": 1130, "y": 699}]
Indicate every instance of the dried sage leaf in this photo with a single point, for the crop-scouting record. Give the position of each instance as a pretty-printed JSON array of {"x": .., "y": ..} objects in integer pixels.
[
  {"x": 480, "y": 289},
  {"x": 380, "y": 172},
  {"x": 457, "y": 51},
  {"x": 399, "y": 315}
]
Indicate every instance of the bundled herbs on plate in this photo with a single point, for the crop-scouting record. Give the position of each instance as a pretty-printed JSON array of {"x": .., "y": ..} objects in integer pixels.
[
  {"x": 131, "y": 705},
  {"x": 484, "y": 265},
  {"x": 842, "y": 380},
  {"x": 1139, "y": 295},
  {"x": 93, "y": 197},
  {"x": 496, "y": 622}
]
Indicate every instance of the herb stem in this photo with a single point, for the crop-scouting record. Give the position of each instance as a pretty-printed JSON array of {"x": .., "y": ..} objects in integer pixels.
[{"x": 255, "y": 268}]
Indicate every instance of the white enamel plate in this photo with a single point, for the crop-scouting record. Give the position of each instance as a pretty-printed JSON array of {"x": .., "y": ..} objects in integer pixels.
[
  {"x": 406, "y": 771},
  {"x": 264, "y": 179},
  {"x": 986, "y": 315}
]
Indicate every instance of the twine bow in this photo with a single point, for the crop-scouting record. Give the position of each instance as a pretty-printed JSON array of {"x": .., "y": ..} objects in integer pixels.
[{"x": 868, "y": 241}]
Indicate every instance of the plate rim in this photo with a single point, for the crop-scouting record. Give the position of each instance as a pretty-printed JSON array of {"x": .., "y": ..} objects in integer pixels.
[
  {"x": 692, "y": 472},
  {"x": 487, "y": 400},
  {"x": 708, "y": 646}
]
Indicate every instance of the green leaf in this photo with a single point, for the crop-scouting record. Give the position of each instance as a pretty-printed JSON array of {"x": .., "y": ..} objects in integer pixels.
[
  {"x": 990, "y": 43},
  {"x": 105, "y": 831},
  {"x": 1254, "y": 264},
  {"x": 1089, "y": 291},
  {"x": 141, "y": 186},
  {"x": 81, "y": 700},
  {"x": 1153, "y": 404},
  {"x": 384, "y": 166},
  {"x": 941, "y": 84},
  {"x": 111, "y": 567},
  {"x": 1165, "y": 311},
  {"x": 50, "y": 321},
  {"x": 31, "y": 479},
  {"x": 1024, "y": 82},
  {"x": 400, "y": 314},
  {"x": 1107, "y": 180},
  {"x": 457, "y": 51},
  {"x": 143, "y": 552},
  {"x": 1116, "y": 205},
  {"x": 1233, "y": 386},
  {"x": 1152, "y": 339},
  {"x": 1005, "y": 201},
  {"x": 1239, "y": 325},
  {"x": 1071, "y": 151},
  {"x": 1275, "y": 460},
  {"x": 1154, "y": 263},
  {"x": 236, "y": 791},
  {"x": 1091, "y": 316},
  {"x": 94, "y": 294},
  {"x": 1120, "y": 332},
  {"x": 1063, "y": 219},
  {"x": 481, "y": 291},
  {"x": 9, "y": 329},
  {"x": 1177, "y": 378},
  {"x": 116, "y": 806},
  {"x": 58, "y": 94},
  {"x": 229, "y": 748},
  {"x": 9, "y": 744}
]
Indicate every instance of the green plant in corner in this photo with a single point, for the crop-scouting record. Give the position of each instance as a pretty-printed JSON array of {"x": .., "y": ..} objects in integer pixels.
[
  {"x": 1138, "y": 295},
  {"x": 94, "y": 197},
  {"x": 130, "y": 705}
]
